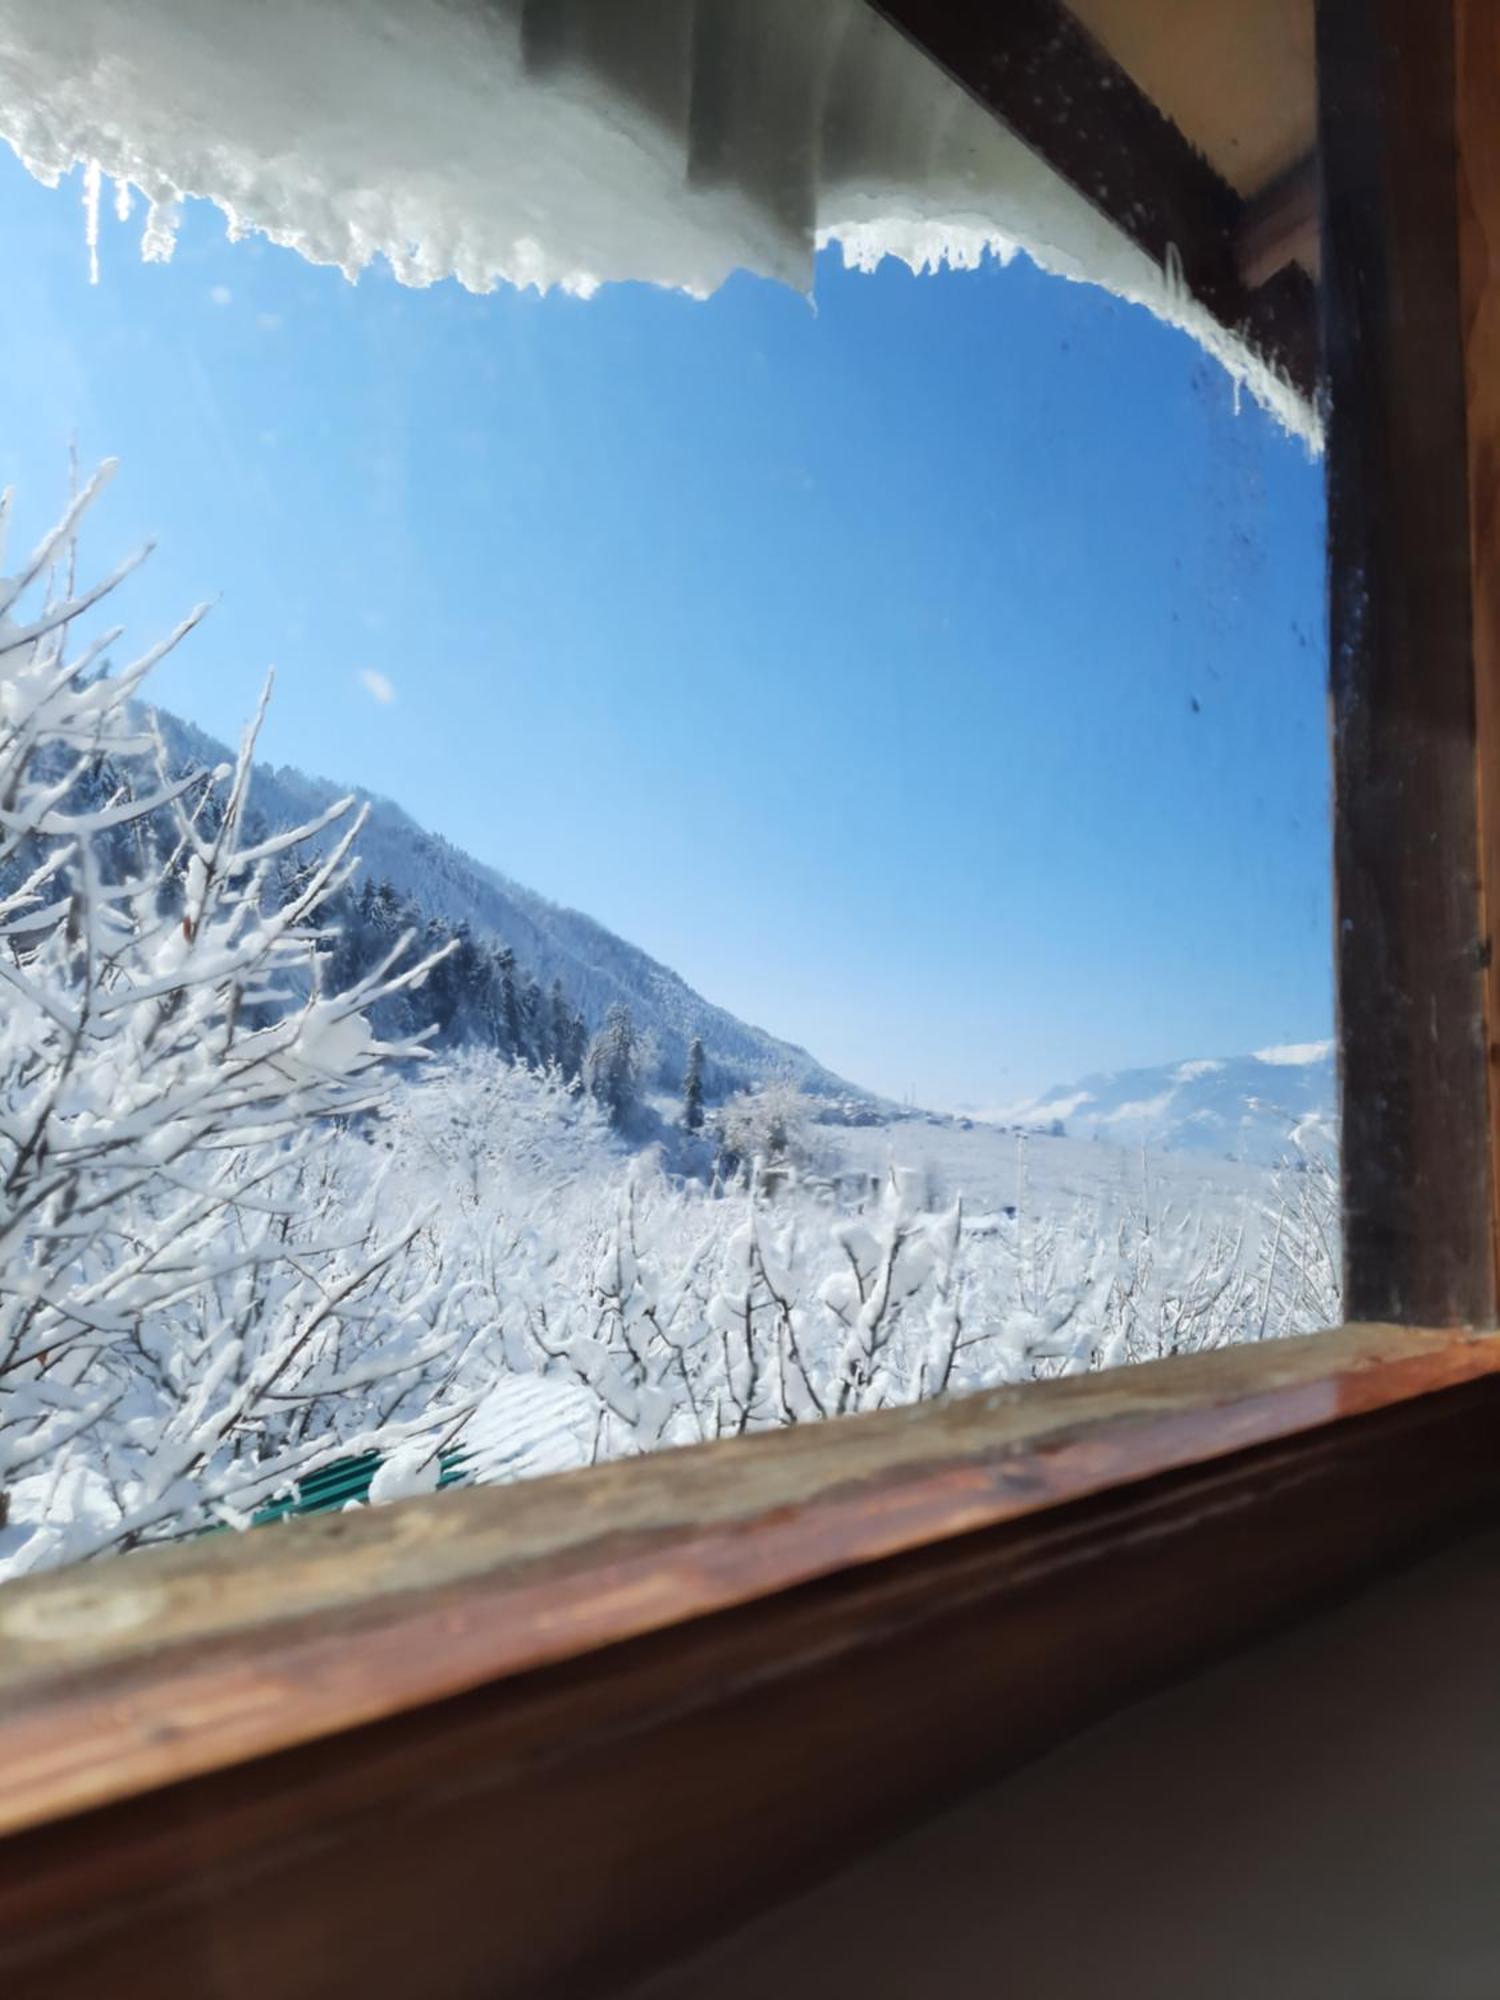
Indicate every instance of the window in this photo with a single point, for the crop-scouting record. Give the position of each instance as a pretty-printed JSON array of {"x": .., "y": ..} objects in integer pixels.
[
  {"x": 882, "y": 637},
  {"x": 832, "y": 1626}
]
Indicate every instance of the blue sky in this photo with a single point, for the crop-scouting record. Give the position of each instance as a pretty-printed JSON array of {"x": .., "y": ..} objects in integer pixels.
[{"x": 932, "y": 673}]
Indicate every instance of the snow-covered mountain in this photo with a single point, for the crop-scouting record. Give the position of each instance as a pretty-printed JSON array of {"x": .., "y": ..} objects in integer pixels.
[
  {"x": 596, "y": 968},
  {"x": 1256, "y": 1108},
  {"x": 1251, "y": 1108}
]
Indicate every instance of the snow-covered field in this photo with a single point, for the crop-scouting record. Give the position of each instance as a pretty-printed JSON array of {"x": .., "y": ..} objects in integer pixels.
[{"x": 996, "y": 1167}]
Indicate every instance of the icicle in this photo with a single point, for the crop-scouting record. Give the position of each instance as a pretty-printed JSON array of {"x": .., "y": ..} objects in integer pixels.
[
  {"x": 92, "y": 177},
  {"x": 122, "y": 200},
  {"x": 159, "y": 237},
  {"x": 1173, "y": 278}
]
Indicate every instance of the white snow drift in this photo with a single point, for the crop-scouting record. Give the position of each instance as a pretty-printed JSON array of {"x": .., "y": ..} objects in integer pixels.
[{"x": 565, "y": 144}]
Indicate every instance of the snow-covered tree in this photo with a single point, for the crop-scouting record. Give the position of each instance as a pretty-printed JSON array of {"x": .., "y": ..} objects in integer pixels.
[
  {"x": 765, "y": 1127},
  {"x": 692, "y": 1087},
  {"x": 512, "y": 1029},
  {"x": 198, "y": 1301},
  {"x": 615, "y": 1063},
  {"x": 563, "y": 1035}
]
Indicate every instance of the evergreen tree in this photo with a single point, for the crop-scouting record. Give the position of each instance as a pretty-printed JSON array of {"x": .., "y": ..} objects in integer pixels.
[
  {"x": 442, "y": 993},
  {"x": 614, "y": 1065},
  {"x": 559, "y": 1028},
  {"x": 512, "y": 1028},
  {"x": 533, "y": 1023},
  {"x": 578, "y": 1047},
  {"x": 692, "y": 1087}
]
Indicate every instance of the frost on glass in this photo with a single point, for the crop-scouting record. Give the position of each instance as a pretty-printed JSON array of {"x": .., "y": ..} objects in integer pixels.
[{"x": 809, "y": 644}]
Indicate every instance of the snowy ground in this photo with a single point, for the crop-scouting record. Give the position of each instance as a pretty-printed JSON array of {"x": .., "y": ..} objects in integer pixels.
[{"x": 993, "y": 1170}]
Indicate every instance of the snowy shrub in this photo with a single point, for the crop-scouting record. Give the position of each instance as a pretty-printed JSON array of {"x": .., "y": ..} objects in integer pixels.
[
  {"x": 681, "y": 1313},
  {"x": 763, "y": 1129},
  {"x": 684, "y": 1315},
  {"x": 197, "y": 1300}
]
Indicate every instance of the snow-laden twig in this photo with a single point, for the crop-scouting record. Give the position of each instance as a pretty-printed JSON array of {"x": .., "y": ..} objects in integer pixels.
[{"x": 201, "y": 1288}]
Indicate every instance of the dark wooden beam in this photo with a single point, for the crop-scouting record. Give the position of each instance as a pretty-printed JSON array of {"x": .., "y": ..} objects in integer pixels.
[
  {"x": 1478, "y": 57},
  {"x": 1034, "y": 65},
  {"x": 1412, "y": 938}
]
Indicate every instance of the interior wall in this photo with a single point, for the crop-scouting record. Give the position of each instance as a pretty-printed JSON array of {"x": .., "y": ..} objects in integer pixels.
[
  {"x": 1239, "y": 80},
  {"x": 1318, "y": 1817}
]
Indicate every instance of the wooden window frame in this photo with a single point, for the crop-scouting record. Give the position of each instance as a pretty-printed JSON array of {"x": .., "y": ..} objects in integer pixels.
[{"x": 532, "y": 1739}]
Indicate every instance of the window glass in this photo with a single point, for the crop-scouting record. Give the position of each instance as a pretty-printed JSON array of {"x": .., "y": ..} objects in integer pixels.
[{"x": 828, "y": 645}]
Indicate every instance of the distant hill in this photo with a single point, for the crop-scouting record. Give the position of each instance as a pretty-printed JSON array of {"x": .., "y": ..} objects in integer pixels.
[
  {"x": 1253, "y": 1108},
  {"x": 595, "y": 967},
  {"x": 1256, "y": 1108}
]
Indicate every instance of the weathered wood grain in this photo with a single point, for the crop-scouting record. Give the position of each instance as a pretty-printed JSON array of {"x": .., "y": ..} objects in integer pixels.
[{"x": 151, "y": 1668}]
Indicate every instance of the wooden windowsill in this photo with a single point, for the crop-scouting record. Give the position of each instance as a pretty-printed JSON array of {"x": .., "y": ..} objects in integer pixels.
[{"x": 124, "y": 1676}]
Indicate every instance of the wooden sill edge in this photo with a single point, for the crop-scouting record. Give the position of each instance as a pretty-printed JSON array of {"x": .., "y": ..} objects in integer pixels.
[{"x": 123, "y": 1676}]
